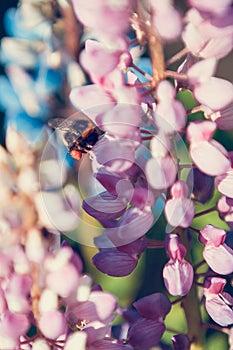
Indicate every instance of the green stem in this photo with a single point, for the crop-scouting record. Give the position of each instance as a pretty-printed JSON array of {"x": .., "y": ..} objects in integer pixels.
[
  {"x": 207, "y": 211},
  {"x": 191, "y": 306}
]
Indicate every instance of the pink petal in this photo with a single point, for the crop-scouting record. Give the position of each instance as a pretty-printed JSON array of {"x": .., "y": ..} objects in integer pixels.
[
  {"x": 200, "y": 131},
  {"x": 161, "y": 172},
  {"x": 76, "y": 340},
  {"x": 224, "y": 183},
  {"x": 59, "y": 210},
  {"x": 212, "y": 6},
  {"x": 56, "y": 282},
  {"x": 170, "y": 29},
  {"x": 202, "y": 71},
  {"x": 213, "y": 286},
  {"x": 213, "y": 235},
  {"x": 121, "y": 116},
  {"x": 208, "y": 94},
  {"x": 217, "y": 47},
  {"x": 178, "y": 277},
  {"x": 170, "y": 116},
  {"x": 179, "y": 212},
  {"x": 220, "y": 259},
  {"x": 100, "y": 306},
  {"x": 116, "y": 155},
  {"x": 219, "y": 311},
  {"x": 105, "y": 304},
  {"x": 193, "y": 39},
  {"x": 13, "y": 325},
  {"x": 179, "y": 190},
  {"x": 52, "y": 324},
  {"x": 96, "y": 55},
  {"x": 217, "y": 163},
  {"x": 91, "y": 99}
]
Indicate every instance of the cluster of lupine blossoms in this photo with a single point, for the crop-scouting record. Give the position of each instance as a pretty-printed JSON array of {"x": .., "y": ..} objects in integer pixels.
[{"x": 156, "y": 157}]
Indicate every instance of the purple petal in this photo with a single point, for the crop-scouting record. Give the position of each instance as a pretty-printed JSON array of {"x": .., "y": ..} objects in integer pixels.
[
  {"x": 153, "y": 306},
  {"x": 133, "y": 224},
  {"x": 201, "y": 185},
  {"x": 100, "y": 306},
  {"x": 109, "y": 345},
  {"x": 144, "y": 334},
  {"x": 137, "y": 247},
  {"x": 181, "y": 341},
  {"x": 115, "y": 263},
  {"x": 104, "y": 206}
]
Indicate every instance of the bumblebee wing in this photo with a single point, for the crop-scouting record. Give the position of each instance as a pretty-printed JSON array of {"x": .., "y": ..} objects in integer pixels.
[
  {"x": 63, "y": 124},
  {"x": 77, "y": 123}
]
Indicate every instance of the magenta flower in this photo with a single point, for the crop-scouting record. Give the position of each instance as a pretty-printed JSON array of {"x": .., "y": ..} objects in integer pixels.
[
  {"x": 217, "y": 254},
  {"x": 177, "y": 272},
  {"x": 218, "y": 303},
  {"x": 179, "y": 210},
  {"x": 203, "y": 147}
]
